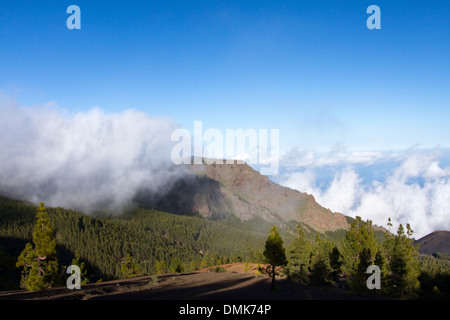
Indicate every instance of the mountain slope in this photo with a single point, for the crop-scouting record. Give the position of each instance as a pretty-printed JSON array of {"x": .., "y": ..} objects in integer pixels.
[
  {"x": 435, "y": 242},
  {"x": 147, "y": 235},
  {"x": 219, "y": 191}
]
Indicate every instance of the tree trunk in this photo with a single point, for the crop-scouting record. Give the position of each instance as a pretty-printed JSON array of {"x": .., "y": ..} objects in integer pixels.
[{"x": 273, "y": 278}]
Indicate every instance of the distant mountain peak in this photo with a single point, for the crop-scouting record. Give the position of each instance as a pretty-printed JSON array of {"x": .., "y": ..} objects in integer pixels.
[{"x": 436, "y": 242}]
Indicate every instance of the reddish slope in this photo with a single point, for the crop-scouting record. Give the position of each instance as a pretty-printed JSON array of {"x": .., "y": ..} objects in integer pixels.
[{"x": 437, "y": 241}]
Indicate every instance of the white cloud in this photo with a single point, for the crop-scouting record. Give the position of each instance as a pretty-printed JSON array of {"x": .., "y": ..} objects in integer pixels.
[
  {"x": 415, "y": 191},
  {"x": 340, "y": 196},
  {"x": 296, "y": 158},
  {"x": 83, "y": 161}
]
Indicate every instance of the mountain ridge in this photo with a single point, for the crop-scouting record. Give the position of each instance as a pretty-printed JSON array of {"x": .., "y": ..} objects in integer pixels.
[
  {"x": 436, "y": 242},
  {"x": 218, "y": 191}
]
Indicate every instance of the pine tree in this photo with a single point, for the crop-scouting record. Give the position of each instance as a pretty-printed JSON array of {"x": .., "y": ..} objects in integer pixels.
[
  {"x": 161, "y": 267},
  {"x": 274, "y": 253},
  {"x": 320, "y": 261},
  {"x": 39, "y": 262},
  {"x": 359, "y": 248},
  {"x": 335, "y": 263},
  {"x": 175, "y": 266},
  {"x": 83, "y": 270},
  {"x": 130, "y": 268},
  {"x": 402, "y": 261},
  {"x": 298, "y": 257},
  {"x": 193, "y": 265}
]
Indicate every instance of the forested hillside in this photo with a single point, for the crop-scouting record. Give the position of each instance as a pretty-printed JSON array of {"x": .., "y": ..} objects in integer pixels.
[
  {"x": 152, "y": 241},
  {"x": 145, "y": 236},
  {"x": 222, "y": 215},
  {"x": 143, "y": 242}
]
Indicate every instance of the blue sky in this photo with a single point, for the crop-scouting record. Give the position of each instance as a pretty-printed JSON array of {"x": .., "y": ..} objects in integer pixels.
[{"x": 309, "y": 68}]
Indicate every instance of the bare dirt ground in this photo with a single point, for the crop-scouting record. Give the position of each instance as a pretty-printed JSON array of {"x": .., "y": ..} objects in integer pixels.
[{"x": 235, "y": 284}]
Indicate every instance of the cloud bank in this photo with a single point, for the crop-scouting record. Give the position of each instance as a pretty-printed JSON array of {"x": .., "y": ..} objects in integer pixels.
[
  {"x": 409, "y": 187},
  {"x": 86, "y": 161},
  {"x": 95, "y": 160}
]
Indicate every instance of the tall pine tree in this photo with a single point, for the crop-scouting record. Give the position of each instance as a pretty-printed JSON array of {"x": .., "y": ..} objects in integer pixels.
[
  {"x": 299, "y": 257},
  {"x": 320, "y": 261},
  {"x": 359, "y": 249},
  {"x": 274, "y": 253},
  {"x": 39, "y": 262},
  {"x": 402, "y": 260}
]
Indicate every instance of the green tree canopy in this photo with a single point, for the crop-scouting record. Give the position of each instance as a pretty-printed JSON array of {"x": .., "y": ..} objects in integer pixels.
[
  {"x": 161, "y": 267},
  {"x": 320, "y": 261},
  {"x": 299, "y": 257},
  {"x": 359, "y": 248},
  {"x": 274, "y": 253},
  {"x": 83, "y": 269},
  {"x": 402, "y": 260},
  {"x": 39, "y": 262},
  {"x": 130, "y": 268}
]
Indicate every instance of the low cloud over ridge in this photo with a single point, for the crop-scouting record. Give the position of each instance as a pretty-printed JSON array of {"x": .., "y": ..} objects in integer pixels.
[
  {"x": 86, "y": 161},
  {"x": 97, "y": 160},
  {"x": 414, "y": 186}
]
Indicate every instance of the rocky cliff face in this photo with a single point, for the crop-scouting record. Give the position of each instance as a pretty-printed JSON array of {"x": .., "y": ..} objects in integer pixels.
[{"x": 217, "y": 191}]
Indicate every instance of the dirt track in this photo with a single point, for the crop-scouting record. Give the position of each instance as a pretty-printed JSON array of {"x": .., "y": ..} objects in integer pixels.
[{"x": 235, "y": 284}]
